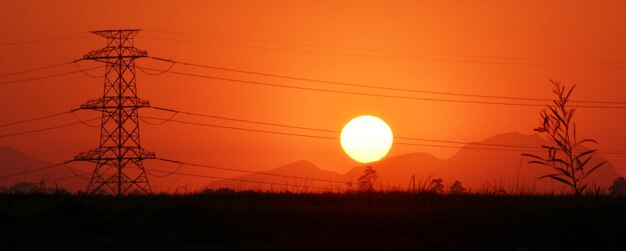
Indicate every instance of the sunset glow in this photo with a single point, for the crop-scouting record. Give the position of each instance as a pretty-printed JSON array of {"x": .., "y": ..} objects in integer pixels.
[{"x": 313, "y": 125}]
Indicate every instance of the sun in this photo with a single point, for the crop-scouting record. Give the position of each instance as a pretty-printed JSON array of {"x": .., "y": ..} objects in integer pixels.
[{"x": 366, "y": 139}]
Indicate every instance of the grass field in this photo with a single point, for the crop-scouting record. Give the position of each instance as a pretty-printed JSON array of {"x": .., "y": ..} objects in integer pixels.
[{"x": 265, "y": 221}]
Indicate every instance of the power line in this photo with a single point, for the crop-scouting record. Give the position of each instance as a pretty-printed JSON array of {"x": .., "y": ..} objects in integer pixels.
[
  {"x": 370, "y": 94},
  {"x": 160, "y": 72},
  {"x": 71, "y": 169},
  {"x": 387, "y": 56},
  {"x": 162, "y": 122},
  {"x": 35, "y": 170},
  {"x": 244, "y": 180},
  {"x": 85, "y": 71},
  {"x": 342, "y": 92},
  {"x": 252, "y": 172},
  {"x": 36, "y": 69},
  {"x": 170, "y": 173},
  {"x": 329, "y": 138},
  {"x": 49, "y": 39},
  {"x": 35, "y": 119},
  {"x": 373, "y": 86},
  {"x": 471, "y": 144},
  {"x": 73, "y": 175},
  {"x": 66, "y": 177},
  {"x": 241, "y": 129},
  {"x": 326, "y": 130},
  {"x": 72, "y": 111},
  {"x": 82, "y": 121},
  {"x": 249, "y": 172},
  {"x": 45, "y": 129},
  {"x": 392, "y": 51},
  {"x": 467, "y": 143},
  {"x": 47, "y": 76},
  {"x": 239, "y": 120}
]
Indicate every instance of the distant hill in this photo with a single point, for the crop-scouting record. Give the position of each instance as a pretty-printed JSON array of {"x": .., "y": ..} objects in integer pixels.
[
  {"x": 476, "y": 169},
  {"x": 279, "y": 182},
  {"x": 13, "y": 161},
  {"x": 484, "y": 169}
]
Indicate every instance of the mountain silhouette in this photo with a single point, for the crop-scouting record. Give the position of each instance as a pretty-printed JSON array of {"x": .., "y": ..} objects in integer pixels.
[
  {"x": 13, "y": 161},
  {"x": 478, "y": 170},
  {"x": 279, "y": 179}
]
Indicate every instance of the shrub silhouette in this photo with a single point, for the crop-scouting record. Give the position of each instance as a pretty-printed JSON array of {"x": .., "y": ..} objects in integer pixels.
[
  {"x": 33, "y": 188},
  {"x": 569, "y": 163},
  {"x": 368, "y": 180},
  {"x": 457, "y": 188},
  {"x": 436, "y": 186},
  {"x": 618, "y": 187}
]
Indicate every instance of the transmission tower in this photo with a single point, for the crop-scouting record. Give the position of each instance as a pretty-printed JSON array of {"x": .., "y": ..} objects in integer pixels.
[{"x": 118, "y": 158}]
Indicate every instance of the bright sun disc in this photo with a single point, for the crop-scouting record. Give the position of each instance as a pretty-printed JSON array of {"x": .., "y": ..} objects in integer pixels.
[{"x": 366, "y": 139}]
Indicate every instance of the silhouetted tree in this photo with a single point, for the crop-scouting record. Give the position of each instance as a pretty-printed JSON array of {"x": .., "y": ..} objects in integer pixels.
[
  {"x": 569, "y": 163},
  {"x": 436, "y": 186},
  {"x": 457, "y": 188},
  {"x": 618, "y": 187},
  {"x": 368, "y": 180}
]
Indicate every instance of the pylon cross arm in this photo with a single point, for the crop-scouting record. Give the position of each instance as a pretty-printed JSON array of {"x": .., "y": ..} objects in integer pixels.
[
  {"x": 108, "y": 153},
  {"x": 115, "y": 53},
  {"x": 114, "y": 102},
  {"x": 115, "y": 34}
]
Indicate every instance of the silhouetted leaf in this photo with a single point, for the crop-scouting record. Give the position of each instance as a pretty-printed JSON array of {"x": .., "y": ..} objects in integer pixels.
[
  {"x": 557, "y": 178},
  {"x": 532, "y": 156},
  {"x": 574, "y": 132},
  {"x": 595, "y": 167},
  {"x": 584, "y": 163},
  {"x": 585, "y": 153},
  {"x": 569, "y": 93},
  {"x": 570, "y": 116},
  {"x": 558, "y": 160},
  {"x": 586, "y": 140},
  {"x": 564, "y": 172},
  {"x": 539, "y": 163}
]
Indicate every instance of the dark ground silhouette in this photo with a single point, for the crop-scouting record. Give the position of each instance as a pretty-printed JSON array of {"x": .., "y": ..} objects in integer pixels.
[{"x": 262, "y": 221}]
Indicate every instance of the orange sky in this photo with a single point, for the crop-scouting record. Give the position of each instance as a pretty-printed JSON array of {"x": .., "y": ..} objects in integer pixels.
[{"x": 585, "y": 30}]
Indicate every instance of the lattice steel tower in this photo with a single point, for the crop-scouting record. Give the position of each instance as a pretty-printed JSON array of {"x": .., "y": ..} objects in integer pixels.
[{"x": 118, "y": 158}]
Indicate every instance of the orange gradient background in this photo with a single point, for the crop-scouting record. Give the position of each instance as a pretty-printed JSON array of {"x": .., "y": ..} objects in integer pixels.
[{"x": 586, "y": 30}]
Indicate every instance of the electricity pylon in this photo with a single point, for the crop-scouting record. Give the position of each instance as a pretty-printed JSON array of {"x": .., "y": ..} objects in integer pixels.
[{"x": 118, "y": 158}]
